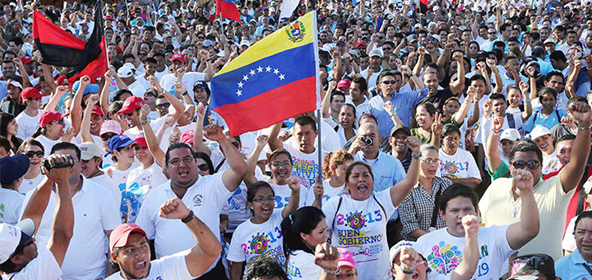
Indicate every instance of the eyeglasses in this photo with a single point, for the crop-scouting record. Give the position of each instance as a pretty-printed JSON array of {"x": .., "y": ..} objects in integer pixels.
[
  {"x": 392, "y": 82},
  {"x": 60, "y": 121},
  {"x": 201, "y": 37},
  {"x": 261, "y": 199},
  {"x": 163, "y": 105},
  {"x": 532, "y": 164},
  {"x": 107, "y": 136},
  {"x": 430, "y": 161},
  {"x": 176, "y": 161},
  {"x": 31, "y": 154},
  {"x": 281, "y": 164},
  {"x": 204, "y": 167}
]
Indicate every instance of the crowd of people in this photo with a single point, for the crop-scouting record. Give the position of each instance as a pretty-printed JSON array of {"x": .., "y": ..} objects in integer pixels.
[{"x": 452, "y": 142}]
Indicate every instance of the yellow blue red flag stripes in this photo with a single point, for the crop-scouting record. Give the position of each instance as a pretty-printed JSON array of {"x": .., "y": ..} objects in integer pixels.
[{"x": 273, "y": 80}]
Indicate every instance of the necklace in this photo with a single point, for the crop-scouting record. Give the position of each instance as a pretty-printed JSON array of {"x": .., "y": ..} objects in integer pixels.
[{"x": 514, "y": 202}]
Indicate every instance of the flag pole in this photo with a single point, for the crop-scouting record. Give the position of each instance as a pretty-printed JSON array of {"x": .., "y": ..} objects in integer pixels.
[{"x": 318, "y": 89}]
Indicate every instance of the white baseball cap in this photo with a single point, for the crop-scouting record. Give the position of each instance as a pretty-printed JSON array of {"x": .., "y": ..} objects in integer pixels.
[
  {"x": 510, "y": 134},
  {"x": 396, "y": 249},
  {"x": 126, "y": 71},
  {"x": 539, "y": 131},
  {"x": 11, "y": 237}
]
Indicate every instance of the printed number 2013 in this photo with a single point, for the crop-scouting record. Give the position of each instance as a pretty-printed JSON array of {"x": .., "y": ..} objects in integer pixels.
[{"x": 377, "y": 217}]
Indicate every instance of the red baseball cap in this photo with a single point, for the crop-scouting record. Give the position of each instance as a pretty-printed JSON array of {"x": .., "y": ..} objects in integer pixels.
[
  {"x": 131, "y": 103},
  {"x": 178, "y": 57},
  {"x": 360, "y": 43},
  {"x": 187, "y": 137},
  {"x": 109, "y": 17},
  {"x": 345, "y": 83},
  {"x": 49, "y": 116},
  {"x": 26, "y": 59},
  {"x": 30, "y": 92},
  {"x": 140, "y": 141},
  {"x": 97, "y": 110},
  {"x": 120, "y": 235},
  {"x": 62, "y": 80}
]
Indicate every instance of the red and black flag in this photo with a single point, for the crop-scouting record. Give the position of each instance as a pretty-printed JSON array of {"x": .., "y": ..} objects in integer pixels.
[{"x": 60, "y": 48}]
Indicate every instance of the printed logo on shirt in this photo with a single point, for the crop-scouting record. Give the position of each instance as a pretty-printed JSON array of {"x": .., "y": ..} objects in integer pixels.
[
  {"x": 265, "y": 245},
  {"x": 131, "y": 200},
  {"x": 259, "y": 243},
  {"x": 306, "y": 170},
  {"x": 357, "y": 221},
  {"x": 444, "y": 258},
  {"x": 451, "y": 168},
  {"x": 197, "y": 200},
  {"x": 232, "y": 202},
  {"x": 293, "y": 271}
]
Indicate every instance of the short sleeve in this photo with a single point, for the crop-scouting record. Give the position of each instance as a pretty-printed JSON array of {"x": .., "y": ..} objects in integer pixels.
[
  {"x": 110, "y": 212},
  {"x": 473, "y": 169},
  {"x": 235, "y": 251},
  {"x": 330, "y": 209},
  {"x": 172, "y": 267},
  {"x": 385, "y": 199}
]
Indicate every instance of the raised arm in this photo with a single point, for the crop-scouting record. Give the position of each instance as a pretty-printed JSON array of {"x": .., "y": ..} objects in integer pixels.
[
  {"x": 55, "y": 98},
  {"x": 460, "y": 116},
  {"x": 520, "y": 233},
  {"x": 570, "y": 175},
  {"x": 198, "y": 131},
  {"x": 419, "y": 85},
  {"x": 327, "y": 257},
  {"x": 233, "y": 176},
  {"x": 389, "y": 108},
  {"x": 326, "y": 103},
  {"x": 177, "y": 105},
  {"x": 294, "y": 184},
  {"x": 85, "y": 127},
  {"x": 199, "y": 258},
  {"x": 457, "y": 86},
  {"x": 153, "y": 145},
  {"x": 420, "y": 61},
  {"x": 527, "y": 105},
  {"x": 252, "y": 160},
  {"x": 274, "y": 142},
  {"x": 402, "y": 189},
  {"x": 436, "y": 130},
  {"x": 493, "y": 159},
  {"x": 105, "y": 91},
  {"x": 76, "y": 105},
  {"x": 468, "y": 265}
]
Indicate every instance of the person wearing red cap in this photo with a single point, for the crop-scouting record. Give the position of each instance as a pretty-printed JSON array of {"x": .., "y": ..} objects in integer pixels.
[
  {"x": 28, "y": 120},
  {"x": 92, "y": 121},
  {"x": 188, "y": 79},
  {"x": 141, "y": 179},
  {"x": 50, "y": 130},
  {"x": 129, "y": 248},
  {"x": 11, "y": 104}
]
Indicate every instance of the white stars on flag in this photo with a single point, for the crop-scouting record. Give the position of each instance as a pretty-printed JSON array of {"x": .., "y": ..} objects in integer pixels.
[{"x": 253, "y": 74}]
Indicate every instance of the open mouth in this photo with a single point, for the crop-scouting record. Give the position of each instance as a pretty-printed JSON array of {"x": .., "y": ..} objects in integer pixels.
[
  {"x": 184, "y": 174},
  {"x": 362, "y": 188},
  {"x": 141, "y": 265},
  {"x": 266, "y": 210}
]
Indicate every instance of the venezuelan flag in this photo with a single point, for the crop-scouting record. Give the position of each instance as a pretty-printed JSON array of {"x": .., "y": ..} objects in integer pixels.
[{"x": 273, "y": 80}]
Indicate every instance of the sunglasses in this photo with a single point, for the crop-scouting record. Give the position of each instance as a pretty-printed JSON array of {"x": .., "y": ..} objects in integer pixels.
[
  {"x": 392, "y": 82},
  {"x": 536, "y": 262},
  {"x": 31, "y": 154},
  {"x": 203, "y": 167},
  {"x": 163, "y": 106},
  {"x": 532, "y": 164}
]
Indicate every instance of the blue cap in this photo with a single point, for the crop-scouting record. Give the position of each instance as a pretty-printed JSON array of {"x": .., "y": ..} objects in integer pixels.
[
  {"x": 12, "y": 168},
  {"x": 90, "y": 88},
  {"x": 119, "y": 141}
]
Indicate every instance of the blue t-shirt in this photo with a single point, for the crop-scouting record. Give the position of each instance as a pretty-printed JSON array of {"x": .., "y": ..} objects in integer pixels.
[{"x": 549, "y": 121}]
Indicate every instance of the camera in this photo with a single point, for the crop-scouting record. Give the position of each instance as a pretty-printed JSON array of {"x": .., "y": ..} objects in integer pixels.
[
  {"x": 69, "y": 163},
  {"x": 367, "y": 141}
]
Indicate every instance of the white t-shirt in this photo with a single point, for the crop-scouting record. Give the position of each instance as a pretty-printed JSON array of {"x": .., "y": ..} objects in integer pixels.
[
  {"x": 360, "y": 226},
  {"x": 140, "y": 86},
  {"x": 305, "y": 166},
  {"x": 169, "y": 267},
  {"x": 44, "y": 266},
  {"x": 569, "y": 241},
  {"x": 206, "y": 198},
  {"x": 460, "y": 165},
  {"x": 329, "y": 192},
  {"x": 30, "y": 184},
  {"x": 301, "y": 266},
  {"x": 189, "y": 79},
  {"x": 444, "y": 252},
  {"x": 236, "y": 208},
  {"x": 251, "y": 242},
  {"x": 139, "y": 182},
  {"x": 47, "y": 144},
  {"x": 95, "y": 211},
  {"x": 551, "y": 163},
  {"x": 11, "y": 203},
  {"x": 26, "y": 124},
  {"x": 119, "y": 177}
]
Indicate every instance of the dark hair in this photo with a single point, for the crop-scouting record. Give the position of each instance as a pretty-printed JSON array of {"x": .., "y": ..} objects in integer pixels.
[
  {"x": 306, "y": 120},
  {"x": 454, "y": 191},
  {"x": 547, "y": 90},
  {"x": 362, "y": 82},
  {"x": 583, "y": 215},
  {"x": 524, "y": 146},
  {"x": 477, "y": 77},
  {"x": 206, "y": 158},
  {"x": 253, "y": 188},
  {"x": 5, "y": 119},
  {"x": 4, "y": 143},
  {"x": 558, "y": 55},
  {"x": 388, "y": 73},
  {"x": 497, "y": 96},
  {"x": 265, "y": 268},
  {"x": 564, "y": 138},
  {"x": 66, "y": 146},
  {"x": 368, "y": 116},
  {"x": 277, "y": 153},
  {"x": 174, "y": 146},
  {"x": 336, "y": 92},
  {"x": 554, "y": 73},
  {"x": 304, "y": 220},
  {"x": 351, "y": 167},
  {"x": 449, "y": 129},
  {"x": 30, "y": 142}
]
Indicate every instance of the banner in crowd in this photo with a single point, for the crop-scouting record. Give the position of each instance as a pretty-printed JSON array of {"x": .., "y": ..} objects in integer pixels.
[
  {"x": 227, "y": 9},
  {"x": 273, "y": 80}
]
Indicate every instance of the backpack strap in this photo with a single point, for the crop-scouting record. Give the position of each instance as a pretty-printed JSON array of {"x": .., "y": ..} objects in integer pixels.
[
  {"x": 219, "y": 166},
  {"x": 511, "y": 121},
  {"x": 381, "y": 207},
  {"x": 336, "y": 211}
]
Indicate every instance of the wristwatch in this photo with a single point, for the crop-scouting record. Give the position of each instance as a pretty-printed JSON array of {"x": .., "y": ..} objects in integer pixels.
[{"x": 143, "y": 122}]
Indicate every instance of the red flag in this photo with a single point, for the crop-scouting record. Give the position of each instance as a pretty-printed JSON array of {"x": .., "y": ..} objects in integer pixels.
[
  {"x": 60, "y": 48},
  {"x": 227, "y": 9}
]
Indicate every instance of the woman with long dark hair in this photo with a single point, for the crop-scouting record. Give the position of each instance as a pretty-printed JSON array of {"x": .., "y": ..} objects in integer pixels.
[{"x": 9, "y": 129}]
